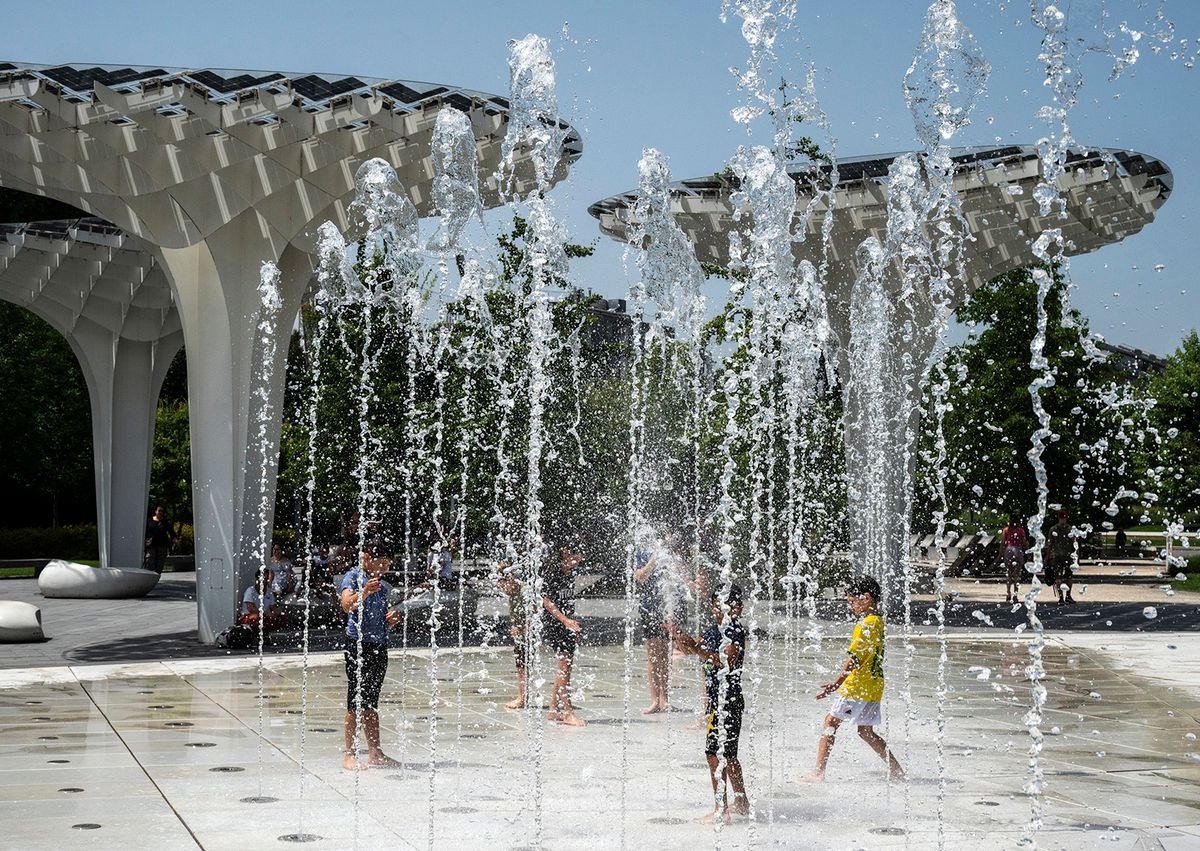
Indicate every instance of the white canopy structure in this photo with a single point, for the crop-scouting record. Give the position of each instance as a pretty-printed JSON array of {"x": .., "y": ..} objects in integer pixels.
[
  {"x": 1109, "y": 194},
  {"x": 205, "y": 174}
]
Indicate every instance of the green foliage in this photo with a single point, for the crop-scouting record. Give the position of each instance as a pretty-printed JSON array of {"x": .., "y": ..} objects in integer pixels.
[
  {"x": 46, "y": 473},
  {"x": 1177, "y": 396},
  {"x": 69, "y": 542},
  {"x": 447, "y": 399},
  {"x": 171, "y": 464},
  {"x": 1093, "y": 453}
]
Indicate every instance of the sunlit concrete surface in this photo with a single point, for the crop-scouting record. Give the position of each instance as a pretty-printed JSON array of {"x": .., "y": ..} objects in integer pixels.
[{"x": 135, "y": 749}]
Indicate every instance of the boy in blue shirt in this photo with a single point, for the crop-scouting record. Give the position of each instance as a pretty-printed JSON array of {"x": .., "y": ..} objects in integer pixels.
[
  {"x": 364, "y": 597},
  {"x": 722, "y": 647}
]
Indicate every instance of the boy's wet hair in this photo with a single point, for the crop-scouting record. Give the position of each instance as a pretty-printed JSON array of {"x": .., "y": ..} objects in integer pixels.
[
  {"x": 860, "y": 586},
  {"x": 376, "y": 547},
  {"x": 730, "y": 595}
]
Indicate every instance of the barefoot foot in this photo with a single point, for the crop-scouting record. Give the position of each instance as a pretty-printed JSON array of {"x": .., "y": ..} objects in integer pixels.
[
  {"x": 515, "y": 704},
  {"x": 381, "y": 760},
  {"x": 812, "y": 777},
  {"x": 352, "y": 763},
  {"x": 572, "y": 720}
]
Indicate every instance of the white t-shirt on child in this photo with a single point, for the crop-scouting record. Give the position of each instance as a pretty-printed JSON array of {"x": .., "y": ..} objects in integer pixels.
[{"x": 251, "y": 596}]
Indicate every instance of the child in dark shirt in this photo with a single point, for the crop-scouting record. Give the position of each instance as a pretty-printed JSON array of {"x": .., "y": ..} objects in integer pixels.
[
  {"x": 513, "y": 590},
  {"x": 560, "y": 628},
  {"x": 722, "y": 646}
]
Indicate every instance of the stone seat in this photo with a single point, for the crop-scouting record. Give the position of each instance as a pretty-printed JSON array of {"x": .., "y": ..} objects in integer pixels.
[
  {"x": 71, "y": 580},
  {"x": 20, "y": 622}
]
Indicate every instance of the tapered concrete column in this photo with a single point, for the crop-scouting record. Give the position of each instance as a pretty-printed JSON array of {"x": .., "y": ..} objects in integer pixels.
[
  {"x": 215, "y": 286},
  {"x": 124, "y": 378}
]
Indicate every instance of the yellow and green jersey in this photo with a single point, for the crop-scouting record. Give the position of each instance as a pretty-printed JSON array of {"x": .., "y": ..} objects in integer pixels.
[{"x": 865, "y": 682}]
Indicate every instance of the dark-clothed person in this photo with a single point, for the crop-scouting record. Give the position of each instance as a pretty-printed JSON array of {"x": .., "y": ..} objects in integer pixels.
[{"x": 158, "y": 540}]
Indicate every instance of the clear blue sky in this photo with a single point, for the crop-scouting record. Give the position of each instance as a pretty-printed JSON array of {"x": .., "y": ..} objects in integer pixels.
[{"x": 639, "y": 73}]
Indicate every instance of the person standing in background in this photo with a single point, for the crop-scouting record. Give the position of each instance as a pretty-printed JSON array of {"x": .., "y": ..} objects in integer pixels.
[{"x": 158, "y": 540}]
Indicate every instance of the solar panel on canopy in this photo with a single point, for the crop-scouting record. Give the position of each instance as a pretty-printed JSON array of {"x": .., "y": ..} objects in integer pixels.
[
  {"x": 227, "y": 85},
  {"x": 83, "y": 79},
  {"x": 318, "y": 88}
]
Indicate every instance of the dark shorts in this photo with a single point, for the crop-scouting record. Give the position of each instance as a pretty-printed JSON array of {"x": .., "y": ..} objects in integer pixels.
[
  {"x": 520, "y": 654},
  {"x": 374, "y": 667},
  {"x": 730, "y": 720},
  {"x": 560, "y": 638},
  {"x": 649, "y": 625}
]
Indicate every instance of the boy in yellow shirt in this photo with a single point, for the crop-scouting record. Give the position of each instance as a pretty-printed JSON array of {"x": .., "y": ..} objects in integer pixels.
[{"x": 860, "y": 684}]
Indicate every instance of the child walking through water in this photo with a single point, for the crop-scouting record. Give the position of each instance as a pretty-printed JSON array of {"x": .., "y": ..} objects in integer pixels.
[
  {"x": 722, "y": 647},
  {"x": 860, "y": 684}
]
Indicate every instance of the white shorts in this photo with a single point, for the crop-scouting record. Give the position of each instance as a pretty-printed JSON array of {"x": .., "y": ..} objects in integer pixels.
[{"x": 864, "y": 713}]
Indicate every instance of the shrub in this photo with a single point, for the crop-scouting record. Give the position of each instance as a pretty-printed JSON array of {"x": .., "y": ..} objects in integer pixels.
[{"x": 69, "y": 542}]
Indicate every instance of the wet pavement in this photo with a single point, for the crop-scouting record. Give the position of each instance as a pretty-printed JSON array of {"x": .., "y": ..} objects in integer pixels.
[{"x": 168, "y": 754}]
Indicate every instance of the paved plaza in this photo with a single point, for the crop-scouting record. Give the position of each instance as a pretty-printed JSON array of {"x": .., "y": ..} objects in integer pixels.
[{"x": 169, "y": 754}]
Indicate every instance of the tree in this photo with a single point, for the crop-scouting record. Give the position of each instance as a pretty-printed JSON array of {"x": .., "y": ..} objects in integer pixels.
[
  {"x": 46, "y": 473},
  {"x": 1096, "y": 414},
  {"x": 1177, "y": 415}
]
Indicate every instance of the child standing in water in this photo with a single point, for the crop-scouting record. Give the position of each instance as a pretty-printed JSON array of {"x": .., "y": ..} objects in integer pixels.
[
  {"x": 860, "y": 684},
  {"x": 722, "y": 647},
  {"x": 511, "y": 586},
  {"x": 364, "y": 597}
]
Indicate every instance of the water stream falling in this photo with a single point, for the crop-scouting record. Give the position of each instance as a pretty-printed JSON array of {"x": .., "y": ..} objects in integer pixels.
[
  {"x": 270, "y": 305},
  {"x": 945, "y": 81},
  {"x": 534, "y": 125}
]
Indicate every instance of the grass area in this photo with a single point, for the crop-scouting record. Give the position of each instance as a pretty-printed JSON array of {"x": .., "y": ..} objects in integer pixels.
[
  {"x": 1192, "y": 582},
  {"x": 16, "y": 572}
]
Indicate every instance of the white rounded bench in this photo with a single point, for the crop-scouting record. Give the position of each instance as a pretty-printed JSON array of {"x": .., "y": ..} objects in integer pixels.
[
  {"x": 80, "y": 582},
  {"x": 20, "y": 622}
]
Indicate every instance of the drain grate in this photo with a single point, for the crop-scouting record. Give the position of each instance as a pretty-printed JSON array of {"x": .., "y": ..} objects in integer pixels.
[
  {"x": 86, "y": 825},
  {"x": 227, "y": 769},
  {"x": 888, "y": 831},
  {"x": 70, "y": 789},
  {"x": 300, "y": 837},
  {"x": 259, "y": 799},
  {"x": 57, "y": 761},
  {"x": 199, "y": 744}
]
